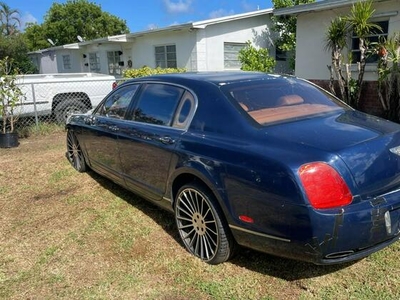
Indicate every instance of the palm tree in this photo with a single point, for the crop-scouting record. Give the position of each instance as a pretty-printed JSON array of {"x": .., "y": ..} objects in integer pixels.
[
  {"x": 335, "y": 42},
  {"x": 9, "y": 19},
  {"x": 360, "y": 22}
]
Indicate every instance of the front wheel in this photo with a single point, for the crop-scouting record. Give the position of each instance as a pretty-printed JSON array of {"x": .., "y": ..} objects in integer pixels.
[
  {"x": 74, "y": 153},
  {"x": 200, "y": 224}
]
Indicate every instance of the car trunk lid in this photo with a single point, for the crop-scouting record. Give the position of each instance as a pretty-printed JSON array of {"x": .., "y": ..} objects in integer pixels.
[{"x": 368, "y": 145}]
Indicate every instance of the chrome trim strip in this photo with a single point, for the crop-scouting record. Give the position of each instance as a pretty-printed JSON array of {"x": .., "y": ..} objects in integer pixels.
[
  {"x": 167, "y": 199},
  {"x": 260, "y": 234}
]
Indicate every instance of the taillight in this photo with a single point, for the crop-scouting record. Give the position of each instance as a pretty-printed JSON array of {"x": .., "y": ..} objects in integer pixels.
[
  {"x": 114, "y": 85},
  {"x": 323, "y": 185}
]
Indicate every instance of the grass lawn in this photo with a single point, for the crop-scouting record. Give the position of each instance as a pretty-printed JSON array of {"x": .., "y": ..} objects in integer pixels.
[{"x": 68, "y": 235}]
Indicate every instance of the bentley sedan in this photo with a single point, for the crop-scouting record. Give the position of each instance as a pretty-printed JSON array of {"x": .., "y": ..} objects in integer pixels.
[{"x": 272, "y": 163}]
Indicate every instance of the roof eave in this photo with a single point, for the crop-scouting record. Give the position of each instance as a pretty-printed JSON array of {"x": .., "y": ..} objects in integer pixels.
[
  {"x": 315, "y": 6},
  {"x": 204, "y": 24}
]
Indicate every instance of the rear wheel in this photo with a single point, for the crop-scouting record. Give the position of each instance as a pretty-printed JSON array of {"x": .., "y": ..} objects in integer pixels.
[
  {"x": 201, "y": 225},
  {"x": 74, "y": 153},
  {"x": 68, "y": 107}
]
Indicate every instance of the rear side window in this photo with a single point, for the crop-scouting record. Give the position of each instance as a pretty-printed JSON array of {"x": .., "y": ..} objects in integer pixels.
[
  {"x": 158, "y": 103},
  {"x": 184, "y": 111}
]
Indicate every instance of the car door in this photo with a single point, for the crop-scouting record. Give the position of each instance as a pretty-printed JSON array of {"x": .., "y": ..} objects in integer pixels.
[
  {"x": 160, "y": 116},
  {"x": 101, "y": 134}
]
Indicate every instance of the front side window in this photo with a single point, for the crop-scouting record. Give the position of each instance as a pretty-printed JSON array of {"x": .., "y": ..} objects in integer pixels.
[
  {"x": 116, "y": 105},
  {"x": 157, "y": 104},
  {"x": 94, "y": 62},
  {"x": 66, "y": 62},
  {"x": 113, "y": 62},
  {"x": 375, "y": 37},
  {"x": 166, "y": 56},
  {"x": 231, "y": 55}
]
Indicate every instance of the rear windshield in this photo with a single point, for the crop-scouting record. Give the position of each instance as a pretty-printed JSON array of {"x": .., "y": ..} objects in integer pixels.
[{"x": 281, "y": 99}]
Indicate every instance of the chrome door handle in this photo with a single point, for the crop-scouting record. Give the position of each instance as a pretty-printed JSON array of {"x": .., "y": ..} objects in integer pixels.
[
  {"x": 113, "y": 128},
  {"x": 167, "y": 140}
]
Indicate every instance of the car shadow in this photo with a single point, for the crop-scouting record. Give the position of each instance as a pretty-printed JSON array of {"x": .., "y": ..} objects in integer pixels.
[{"x": 286, "y": 269}]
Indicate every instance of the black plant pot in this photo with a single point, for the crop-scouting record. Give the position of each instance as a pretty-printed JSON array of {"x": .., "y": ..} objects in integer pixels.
[{"x": 9, "y": 140}]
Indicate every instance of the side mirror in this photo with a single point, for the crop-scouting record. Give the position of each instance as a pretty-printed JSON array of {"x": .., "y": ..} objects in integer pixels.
[{"x": 90, "y": 120}]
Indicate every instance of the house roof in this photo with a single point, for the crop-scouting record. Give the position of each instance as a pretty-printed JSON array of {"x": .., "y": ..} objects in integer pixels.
[
  {"x": 316, "y": 6},
  {"x": 203, "y": 24},
  {"x": 129, "y": 36}
]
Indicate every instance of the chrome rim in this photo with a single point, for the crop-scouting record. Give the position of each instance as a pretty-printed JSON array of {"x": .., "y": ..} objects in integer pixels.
[
  {"x": 75, "y": 155},
  {"x": 197, "y": 224}
]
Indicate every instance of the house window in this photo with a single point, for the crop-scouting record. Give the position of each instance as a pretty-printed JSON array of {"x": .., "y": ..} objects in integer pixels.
[
  {"x": 375, "y": 37},
  {"x": 66, "y": 62},
  {"x": 113, "y": 62},
  {"x": 231, "y": 55},
  {"x": 280, "y": 55},
  {"x": 166, "y": 56},
  {"x": 94, "y": 62}
]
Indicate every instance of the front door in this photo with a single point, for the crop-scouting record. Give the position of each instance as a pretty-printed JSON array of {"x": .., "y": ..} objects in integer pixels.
[
  {"x": 102, "y": 131},
  {"x": 149, "y": 143}
]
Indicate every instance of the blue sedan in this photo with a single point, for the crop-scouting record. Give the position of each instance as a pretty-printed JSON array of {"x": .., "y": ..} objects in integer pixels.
[{"x": 269, "y": 162}]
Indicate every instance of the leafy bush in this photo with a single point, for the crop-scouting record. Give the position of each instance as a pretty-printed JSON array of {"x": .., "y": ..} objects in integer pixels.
[
  {"x": 253, "y": 59},
  {"x": 10, "y": 95},
  {"x": 147, "y": 71}
]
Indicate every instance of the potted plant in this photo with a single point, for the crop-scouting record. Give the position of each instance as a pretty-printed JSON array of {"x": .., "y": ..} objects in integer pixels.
[{"x": 10, "y": 100}]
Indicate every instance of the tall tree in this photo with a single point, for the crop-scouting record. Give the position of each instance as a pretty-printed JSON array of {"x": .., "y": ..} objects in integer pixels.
[
  {"x": 286, "y": 26},
  {"x": 9, "y": 19},
  {"x": 12, "y": 42},
  {"x": 35, "y": 36},
  {"x": 15, "y": 47},
  {"x": 64, "y": 22}
]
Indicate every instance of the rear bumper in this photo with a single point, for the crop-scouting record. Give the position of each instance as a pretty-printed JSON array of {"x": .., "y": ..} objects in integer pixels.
[
  {"x": 332, "y": 236},
  {"x": 356, "y": 255},
  {"x": 292, "y": 250}
]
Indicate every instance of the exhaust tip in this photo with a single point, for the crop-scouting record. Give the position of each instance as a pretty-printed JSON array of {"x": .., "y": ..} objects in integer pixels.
[{"x": 340, "y": 254}]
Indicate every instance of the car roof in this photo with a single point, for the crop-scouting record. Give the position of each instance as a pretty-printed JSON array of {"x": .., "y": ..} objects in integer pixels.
[{"x": 218, "y": 78}]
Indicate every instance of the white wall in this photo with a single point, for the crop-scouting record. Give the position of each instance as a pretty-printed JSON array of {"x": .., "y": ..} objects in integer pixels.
[
  {"x": 143, "y": 53},
  {"x": 48, "y": 62},
  {"x": 75, "y": 58},
  {"x": 311, "y": 57},
  {"x": 255, "y": 29}
]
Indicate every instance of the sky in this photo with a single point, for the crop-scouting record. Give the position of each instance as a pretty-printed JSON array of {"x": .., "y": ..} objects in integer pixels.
[{"x": 142, "y": 15}]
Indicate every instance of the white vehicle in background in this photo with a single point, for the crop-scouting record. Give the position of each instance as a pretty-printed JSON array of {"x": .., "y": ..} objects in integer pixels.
[{"x": 59, "y": 95}]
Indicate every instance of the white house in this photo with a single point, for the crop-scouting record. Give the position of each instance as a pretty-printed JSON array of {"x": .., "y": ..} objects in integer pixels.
[
  {"x": 210, "y": 45},
  {"x": 313, "y": 21},
  {"x": 312, "y": 58}
]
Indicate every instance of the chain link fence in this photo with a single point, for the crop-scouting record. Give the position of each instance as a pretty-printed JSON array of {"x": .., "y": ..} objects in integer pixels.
[{"x": 51, "y": 98}]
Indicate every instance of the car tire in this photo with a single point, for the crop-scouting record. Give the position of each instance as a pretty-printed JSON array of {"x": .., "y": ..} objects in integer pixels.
[
  {"x": 201, "y": 225},
  {"x": 74, "y": 153},
  {"x": 65, "y": 108}
]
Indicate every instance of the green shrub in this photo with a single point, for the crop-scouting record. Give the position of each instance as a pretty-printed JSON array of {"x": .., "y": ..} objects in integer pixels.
[
  {"x": 147, "y": 71},
  {"x": 253, "y": 59}
]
